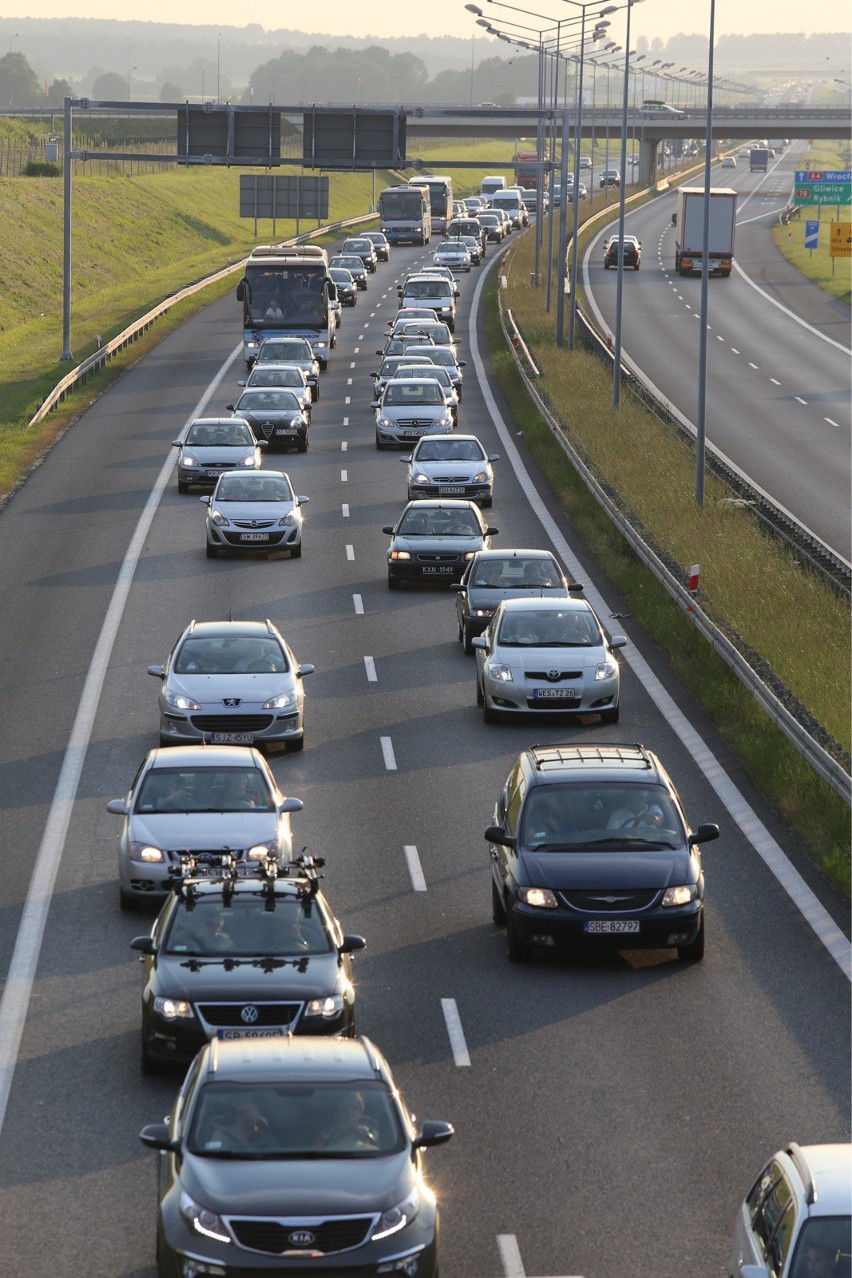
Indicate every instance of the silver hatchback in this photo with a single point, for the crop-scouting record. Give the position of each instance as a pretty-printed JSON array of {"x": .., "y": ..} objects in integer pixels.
[
  {"x": 232, "y": 683},
  {"x": 213, "y": 445},
  {"x": 409, "y": 409}
]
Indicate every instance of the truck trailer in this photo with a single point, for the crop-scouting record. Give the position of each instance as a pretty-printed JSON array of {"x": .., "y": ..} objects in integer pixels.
[
  {"x": 758, "y": 159},
  {"x": 688, "y": 221}
]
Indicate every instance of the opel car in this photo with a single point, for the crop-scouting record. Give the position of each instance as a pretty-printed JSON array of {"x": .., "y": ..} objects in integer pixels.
[
  {"x": 455, "y": 466},
  {"x": 256, "y": 512}
]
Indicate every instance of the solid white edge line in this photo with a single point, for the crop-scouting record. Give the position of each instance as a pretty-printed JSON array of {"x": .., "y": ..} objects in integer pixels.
[
  {"x": 388, "y": 754},
  {"x": 22, "y": 968},
  {"x": 455, "y": 1033},
  {"x": 415, "y": 869},
  {"x": 752, "y": 828},
  {"x": 510, "y": 1255},
  {"x": 370, "y": 667}
]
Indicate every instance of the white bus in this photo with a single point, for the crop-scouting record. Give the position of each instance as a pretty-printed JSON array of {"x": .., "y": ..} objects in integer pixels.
[
  {"x": 440, "y": 198},
  {"x": 404, "y": 214}
]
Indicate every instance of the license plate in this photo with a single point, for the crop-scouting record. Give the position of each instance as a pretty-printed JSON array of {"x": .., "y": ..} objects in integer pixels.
[
  {"x": 285, "y": 430},
  {"x": 213, "y": 474},
  {"x": 438, "y": 571},
  {"x": 610, "y": 926},
  {"x": 270, "y": 1031},
  {"x": 411, "y": 434},
  {"x": 554, "y": 694},
  {"x": 231, "y": 738},
  {"x": 254, "y": 536},
  {"x": 450, "y": 490}
]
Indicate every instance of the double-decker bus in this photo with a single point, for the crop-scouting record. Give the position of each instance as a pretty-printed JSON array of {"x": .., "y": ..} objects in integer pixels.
[
  {"x": 440, "y": 198},
  {"x": 285, "y": 292},
  {"x": 404, "y": 214}
]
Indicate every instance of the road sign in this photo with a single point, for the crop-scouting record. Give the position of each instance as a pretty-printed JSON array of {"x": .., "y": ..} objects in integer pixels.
[
  {"x": 822, "y": 175},
  {"x": 811, "y": 235},
  {"x": 823, "y": 193},
  {"x": 266, "y": 195},
  {"x": 840, "y": 243}
]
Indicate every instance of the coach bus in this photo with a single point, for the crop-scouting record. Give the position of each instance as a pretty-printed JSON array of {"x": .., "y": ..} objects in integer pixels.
[
  {"x": 285, "y": 292},
  {"x": 404, "y": 214},
  {"x": 440, "y": 198}
]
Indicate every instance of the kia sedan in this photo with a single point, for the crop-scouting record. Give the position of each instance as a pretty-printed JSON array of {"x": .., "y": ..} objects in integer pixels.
[
  {"x": 255, "y": 512},
  {"x": 547, "y": 655},
  {"x": 433, "y": 540},
  {"x": 213, "y": 445}
]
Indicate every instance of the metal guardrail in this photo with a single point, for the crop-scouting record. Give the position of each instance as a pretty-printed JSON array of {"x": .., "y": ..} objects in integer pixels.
[
  {"x": 803, "y": 735},
  {"x": 99, "y": 358}
]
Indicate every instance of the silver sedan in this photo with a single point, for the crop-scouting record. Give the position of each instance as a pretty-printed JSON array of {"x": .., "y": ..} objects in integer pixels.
[
  {"x": 548, "y": 655},
  {"x": 213, "y": 445},
  {"x": 254, "y": 512}
]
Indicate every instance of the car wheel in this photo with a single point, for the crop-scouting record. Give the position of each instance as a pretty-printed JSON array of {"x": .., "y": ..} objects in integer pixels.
[
  {"x": 694, "y": 952},
  {"x": 316, "y": 393},
  {"x": 296, "y": 551},
  {"x": 303, "y": 447},
  {"x": 517, "y": 950},
  {"x": 147, "y": 1064},
  {"x": 212, "y": 551},
  {"x": 293, "y": 747},
  {"x": 125, "y": 901},
  {"x": 611, "y": 716},
  {"x": 380, "y": 443},
  {"x": 498, "y": 909},
  {"x": 182, "y": 487},
  {"x": 393, "y": 583},
  {"x": 467, "y": 639}
]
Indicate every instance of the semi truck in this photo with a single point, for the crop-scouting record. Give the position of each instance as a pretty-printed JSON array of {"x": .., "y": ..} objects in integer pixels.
[
  {"x": 688, "y": 220},
  {"x": 758, "y": 159}
]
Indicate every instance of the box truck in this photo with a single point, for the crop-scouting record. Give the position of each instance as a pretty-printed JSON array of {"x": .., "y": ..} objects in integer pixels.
[
  {"x": 688, "y": 221},
  {"x": 758, "y": 159}
]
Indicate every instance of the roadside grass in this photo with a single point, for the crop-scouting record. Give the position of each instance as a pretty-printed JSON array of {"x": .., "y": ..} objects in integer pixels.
[{"x": 751, "y": 586}]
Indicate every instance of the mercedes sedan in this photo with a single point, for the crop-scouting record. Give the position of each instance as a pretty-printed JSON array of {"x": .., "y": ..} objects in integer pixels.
[{"x": 409, "y": 409}]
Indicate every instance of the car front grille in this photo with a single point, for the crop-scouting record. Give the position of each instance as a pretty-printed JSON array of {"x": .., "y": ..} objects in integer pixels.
[
  {"x": 451, "y": 479},
  {"x": 231, "y": 722},
  {"x": 227, "y": 1015},
  {"x": 438, "y": 559},
  {"x": 414, "y": 423},
  {"x": 548, "y": 676},
  {"x": 254, "y": 524},
  {"x": 614, "y": 901},
  {"x": 273, "y": 1237}
]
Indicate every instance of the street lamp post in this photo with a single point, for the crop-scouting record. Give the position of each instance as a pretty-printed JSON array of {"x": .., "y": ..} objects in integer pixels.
[
  {"x": 130, "y": 71},
  {"x": 11, "y": 70},
  {"x": 619, "y": 289},
  {"x": 218, "y": 68},
  {"x": 700, "y": 417}
]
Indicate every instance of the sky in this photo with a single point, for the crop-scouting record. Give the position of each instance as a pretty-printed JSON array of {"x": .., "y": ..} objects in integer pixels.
[{"x": 663, "y": 18}]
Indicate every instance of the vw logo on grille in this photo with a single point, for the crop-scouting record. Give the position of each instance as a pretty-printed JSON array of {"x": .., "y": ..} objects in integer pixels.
[
  {"x": 553, "y": 675},
  {"x": 231, "y": 701},
  {"x": 249, "y": 1015},
  {"x": 301, "y": 1238}
]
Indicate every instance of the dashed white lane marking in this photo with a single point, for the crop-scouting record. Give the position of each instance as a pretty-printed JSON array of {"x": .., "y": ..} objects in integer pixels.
[
  {"x": 455, "y": 1032},
  {"x": 344, "y": 447},
  {"x": 344, "y": 476},
  {"x": 752, "y": 365},
  {"x": 832, "y": 423},
  {"x": 388, "y": 754},
  {"x": 370, "y": 667},
  {"x": 799, "y": 398},
  {"x": 345, "y": 423},
  {"x": 719, "y": 339},
  {"x": 418, "y": 881},
  {"x": 344, "y": 510},
  {"x": 358, "y": 604},
  {"x": 507, "y": 1245},
  {"x": 352, "y": 365},
  {"x": 349, "y": 381},
  {"x": 350, "y": 553},
  {"x": 356, "y": 349},
  {"x": 775, "y": 381},
  {"x": 734, "y": 350},
  {"x": 347, "y": 399}
]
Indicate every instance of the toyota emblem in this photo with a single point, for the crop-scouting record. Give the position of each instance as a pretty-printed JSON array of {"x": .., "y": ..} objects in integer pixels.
[
  {"x": 553, "y": 675},
  {"x": 249, "y": 1015}
]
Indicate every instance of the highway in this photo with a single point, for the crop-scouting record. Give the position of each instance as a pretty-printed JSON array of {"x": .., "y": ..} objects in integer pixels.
[
  {"x": 610, "y": 1113},
  {"x": 778, "y": 388}
]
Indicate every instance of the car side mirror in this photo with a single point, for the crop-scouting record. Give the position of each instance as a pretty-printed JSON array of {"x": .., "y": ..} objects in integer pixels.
[
  {"x": 351, "y": 944},
  {"x": 292, "y": 805},
  {"x": 302, "y": 501},
  {"x": 158, "y": 671},
  {"x": 118, "y": 807},
  {"x": 177, "y": 443},
  {"x": 205, "y": 500},
  {"x": 230, "y": 407},
  {"x": 704, "y": 834},
  {"x": 479, "y": 641},
  {"x": 462, "y": 363},
  {"x": 241, "y": 382},
  {"x": 375, "y": 403},
  {"x": 458, "y": 586},
  {"x": 493, "y": 457},
  {"x": 388, "y": 529},
  {"x": 156, "y": 1136},
  {"x": 406, "y": 461},
  {"x": 143, "y": 944},
  {"x": 491, "y": 531},
  {"x": 261, "y": 443},
  {"x": 496, "y": 834},
  {"x": 618, "y": 641},
  {"x": 432, "y": 1133}
]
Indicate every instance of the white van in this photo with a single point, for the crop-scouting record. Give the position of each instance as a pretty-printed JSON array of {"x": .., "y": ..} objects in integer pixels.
[
  {"x": 513, "y": 203},
  {"x": 489, "y": 185}
]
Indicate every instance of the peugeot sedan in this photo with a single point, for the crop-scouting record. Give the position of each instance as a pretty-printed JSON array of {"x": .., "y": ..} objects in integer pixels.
[
  {"x": 232, "y": 683},
  {"x": 294, "y": 1156},
  {"x": 192, "y": 799},
  {"x": 409, "y": 409},
  {"x": 455, "y": 466},
  {"x": 213, "y": 445},
  {"x": 547, "y": 655},
  {"x": 433, "y": 540},
  {"x": 275, "y": 415},
  {"x": 254, "y": 512}
]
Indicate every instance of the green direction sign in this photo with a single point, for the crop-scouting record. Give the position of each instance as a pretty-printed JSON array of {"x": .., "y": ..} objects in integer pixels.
[{"x": 824, "y": 193}]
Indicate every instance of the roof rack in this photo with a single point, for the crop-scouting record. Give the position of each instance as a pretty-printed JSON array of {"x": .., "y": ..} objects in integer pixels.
[
  {"x": 226, "y": 871},
  {"x": 547, "y": 757},
  {"x": 800, "y": 1162}
]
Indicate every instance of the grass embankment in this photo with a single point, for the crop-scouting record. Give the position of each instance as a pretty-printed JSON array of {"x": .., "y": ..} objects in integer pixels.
[
  {"x": 751, "y": 586},
  {"x": 133, "y": 242},
  {"x": 832, "y": 274}
]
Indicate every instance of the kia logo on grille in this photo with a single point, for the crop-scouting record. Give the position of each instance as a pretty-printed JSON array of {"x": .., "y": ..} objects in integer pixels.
[
  {"x": 231, "y": 701},
  {"x": 301, "y": 1238},
  {"x": 248, "y": 1015}
]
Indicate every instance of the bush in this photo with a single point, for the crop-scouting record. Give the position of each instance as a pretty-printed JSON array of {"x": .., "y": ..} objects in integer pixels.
[{"x": 41, "y": 168}]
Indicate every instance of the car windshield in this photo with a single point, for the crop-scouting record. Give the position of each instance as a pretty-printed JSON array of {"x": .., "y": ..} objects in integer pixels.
[
  {"x": 284, "y": 352},
  {"x": 438, "y": 450},
  {"x": 419, "y": 393},
  {"x": 357, "y": 246},
  {"x": 583, "y": 818},
  {"x": 549, "y": 628},
  {"x": 424, "y": 369},
  {"x": 824, "y": 1247},
  {"x": 254, "y": 488},
  {"x": 426, "y": 288},
  {"x": 231, "y": 654},
  {"x": 349, "y": 1119},
  {"x": 352, "y": 264},
  {"x": 439, "y": 333},
  {"x": 208, "y": 789},
  {"x": 516, "y": 574},
  {"x": 340, "y": 275},
  {"x": 439, "y": 356},
  {"x": 268, "y": 401},
  {"x": 232, "y": 435},
  {"x": 275, "y": 377},
  {"x": 203, "y": 924},
  {"x": 439, "y": 522}
]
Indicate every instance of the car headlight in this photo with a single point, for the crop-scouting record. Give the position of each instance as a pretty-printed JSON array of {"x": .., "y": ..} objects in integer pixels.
[
  {"x": 481, "y": 477},
  {"x": 680, "y": 895},
  {"x": 420, "y": 478},
  {"x": 320, "y": 346},
  {"x": 605, "y": 670},
  {"x": 281, "y": 702},
  {"x": 386, "y": 421},
  {"x": 444, "y": 421},
  {"x": 396, "y": 1218},
  {"x": 252, "y": 346},
  {"x": 146, "y": 852},
  {"x": 329, "y": 1007},
  {"x": 173, "y": 1009},
  {"x": 180, "y": 702},
  {"x": 248, "y": 461},
  {"x": 541, "y": 898},
  {"x": 399, "y": 554},
  {"x": 289, "y": 520},
  {"x": 201, "y": 1220},
  {"x": 262, "y": 851},
  {"x": 483, "y": 612},
  {"x": 187, "y": 460},
  {"x": 218, "y": 519},
  {"x": 470, "y": 554},
  {"x": 498, "y": 670}
]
